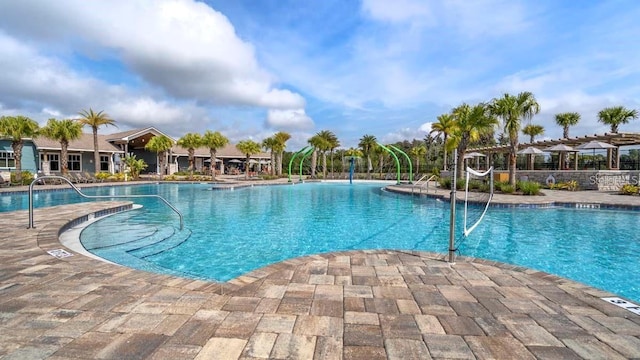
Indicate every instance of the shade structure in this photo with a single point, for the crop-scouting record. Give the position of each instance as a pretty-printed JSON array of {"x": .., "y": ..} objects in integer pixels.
[
  {"x": 235, "y": 161},
  {"x": 473, "y": 155},
  {"x": 531, "y": 151},
  {"x": 595, "y": 145},
  {"x": 561, "y": 147}
]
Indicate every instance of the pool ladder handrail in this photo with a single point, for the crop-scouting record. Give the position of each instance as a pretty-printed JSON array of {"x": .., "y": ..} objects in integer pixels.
[
  {"x": 420, "y": 186},
  {"x": 31, "y": 226}
]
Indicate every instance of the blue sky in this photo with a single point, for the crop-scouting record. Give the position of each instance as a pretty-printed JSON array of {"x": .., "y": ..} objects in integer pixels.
[{"x": 250, "y": 68}]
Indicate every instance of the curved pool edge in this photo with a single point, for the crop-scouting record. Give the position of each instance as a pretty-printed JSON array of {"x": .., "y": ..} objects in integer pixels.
[{"x": 291, "y": 302}]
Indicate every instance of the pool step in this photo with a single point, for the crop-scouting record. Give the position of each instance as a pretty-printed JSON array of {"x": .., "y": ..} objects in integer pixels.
[
  {"x": 168, "y": 243},
  {"x": 129, "y": 237}
]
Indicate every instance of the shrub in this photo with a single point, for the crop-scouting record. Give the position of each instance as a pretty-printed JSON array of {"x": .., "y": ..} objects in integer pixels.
[
  {"x": 507, "y": 188},
  {"x": 269, "y": 177},
  {"x": 103, "y": 176},
  {"x": 116, "y": 177},
  {"x": 529, "y": 187},
  {"x": 445, "y": 183},
  {"x": 475, "y": 184},
  {"x": 630, "y": 189},
  {"x": 571, "y": 185},
  {"x": 27, "y": 178},
  {"x": 484, "y": 188}
]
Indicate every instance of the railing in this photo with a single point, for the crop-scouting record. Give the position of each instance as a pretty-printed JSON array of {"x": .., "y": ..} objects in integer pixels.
[
  {"x": 31, "y": 226},
  {"x": 420, "y": 186}
]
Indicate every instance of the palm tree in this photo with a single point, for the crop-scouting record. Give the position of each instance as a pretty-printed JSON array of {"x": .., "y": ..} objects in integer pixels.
[
  {"x": 248, "y": 147},
  {"x": 319, "y": 144},
  {"x": 615, "y": 116},
  {"x": 471, "y": 123},
  {"x": 63, "y": 131},
  {"x": 214, "y": 141},
  {"x": 332, "y": 143},
  {"x": 95, "y": 120},
  {"x": 135, "y": 166},
  {"x": 445, "y": 127},
  {"x": 367, "y": 144},
  {"x": 18, "y": 128},
  {"x": 282, "y": 138},
  {"x": 191, "y": 141},
  {"x": 418, "y": 152},
  {"x": 565, "y": 120},
  {"x": 512, "y": 110},
  {"x": 328, "y": 144},
  {"x": 353, "y": 153},
  {"x": 269, "y": 143},
  {"x": 380, "y": 153},
  {"x": 533, "y": 131},
  {"x": 160, "y": 145}
]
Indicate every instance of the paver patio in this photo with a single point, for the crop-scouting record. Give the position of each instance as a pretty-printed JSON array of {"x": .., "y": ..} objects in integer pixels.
[{"x": 350, "y": 305}]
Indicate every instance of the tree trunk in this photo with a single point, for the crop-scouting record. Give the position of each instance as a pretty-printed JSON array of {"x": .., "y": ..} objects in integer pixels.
[
  {"x": 246, "y": 167},
  {"x": 272, "y": 165},
  {"x": 314, "y": 161},
  {"x": 96, "y": 152},
  {"x": 17, "y": 156},
  {"x": 369, "y": 166},
  {"x": 64, "y": 161},
  {"x": 324, "y": 165},
  {"x": 444, "y": 148},
  {"x": 212, "y": 166},
  {"x": 512, "y": 168}
]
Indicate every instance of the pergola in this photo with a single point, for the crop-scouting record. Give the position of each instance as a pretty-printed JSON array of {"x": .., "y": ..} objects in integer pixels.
[{"x": 617, "y": 139}]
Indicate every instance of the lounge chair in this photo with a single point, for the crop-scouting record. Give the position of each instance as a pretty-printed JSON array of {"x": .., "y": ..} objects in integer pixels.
[{"x": 3, "y": 182}]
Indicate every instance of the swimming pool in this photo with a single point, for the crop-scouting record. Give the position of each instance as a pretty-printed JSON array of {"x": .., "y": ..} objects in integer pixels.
[{"x": 231, "y": 232}]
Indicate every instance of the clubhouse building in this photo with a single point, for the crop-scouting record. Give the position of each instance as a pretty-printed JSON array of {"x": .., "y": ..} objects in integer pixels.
[{"x": 42, "y": 155}]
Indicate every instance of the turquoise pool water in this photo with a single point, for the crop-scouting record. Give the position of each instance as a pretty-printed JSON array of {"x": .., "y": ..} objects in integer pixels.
[{"x": 228, "y": 233}]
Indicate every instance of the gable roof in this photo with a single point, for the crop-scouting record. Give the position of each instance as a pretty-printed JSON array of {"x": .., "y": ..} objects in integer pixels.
[
  {"x": 84, "y": 143},
  {"x": 136, "y": 133}
]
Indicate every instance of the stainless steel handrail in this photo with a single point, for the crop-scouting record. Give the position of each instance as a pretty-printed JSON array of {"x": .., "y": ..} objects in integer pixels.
[
  {"x": 31, "y": 226},
  {"x": 417, "y": 183}
]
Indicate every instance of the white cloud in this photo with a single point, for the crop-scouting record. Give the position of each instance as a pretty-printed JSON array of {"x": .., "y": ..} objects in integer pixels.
[
  {"x": 289, "y": 120},
  {"x": 189, "y": 49},
  {"x": 426, "y": 127}
]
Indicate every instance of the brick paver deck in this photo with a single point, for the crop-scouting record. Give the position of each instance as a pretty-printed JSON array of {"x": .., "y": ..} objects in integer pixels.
[{"x": 350, "y": 305}]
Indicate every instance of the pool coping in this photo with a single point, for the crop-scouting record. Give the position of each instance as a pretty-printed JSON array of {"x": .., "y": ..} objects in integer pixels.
[{"x": 82, "y": 308}]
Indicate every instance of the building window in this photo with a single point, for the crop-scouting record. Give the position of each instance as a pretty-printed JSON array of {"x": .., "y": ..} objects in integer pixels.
[
  {"x": 104, "y": 162},
  {"x": 74, "y": 162},
  {"x": 54, "y": 162},
  {"x": 7, "y": 160}
]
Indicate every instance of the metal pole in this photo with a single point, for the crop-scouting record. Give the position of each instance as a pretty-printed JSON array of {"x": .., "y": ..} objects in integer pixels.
[
  {"x": 452, "y": 218},
  {"x": 31, "y": 204}
]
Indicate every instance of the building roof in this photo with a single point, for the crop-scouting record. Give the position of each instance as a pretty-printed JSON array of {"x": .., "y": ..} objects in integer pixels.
[
  {"x": 136, "y": 133},
  {"x": 617, "y": 139},
  {"x": 230, "y": 151},
  {"x": 84, "y": 143}
]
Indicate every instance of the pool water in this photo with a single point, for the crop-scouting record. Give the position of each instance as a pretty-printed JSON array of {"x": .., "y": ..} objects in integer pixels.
[{"x": 228, "y": 233}]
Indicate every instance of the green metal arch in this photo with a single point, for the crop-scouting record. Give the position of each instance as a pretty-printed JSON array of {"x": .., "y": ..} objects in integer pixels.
[{"x": 397, "y": 161}]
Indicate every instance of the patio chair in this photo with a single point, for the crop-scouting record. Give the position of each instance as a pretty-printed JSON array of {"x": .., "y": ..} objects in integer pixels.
[
  {"x": 4, "y": 182},
  {"x": 89, "y": 178}
]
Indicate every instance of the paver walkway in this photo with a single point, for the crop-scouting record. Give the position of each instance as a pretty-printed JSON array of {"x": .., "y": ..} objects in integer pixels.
[{"x": 350, "y": 305}]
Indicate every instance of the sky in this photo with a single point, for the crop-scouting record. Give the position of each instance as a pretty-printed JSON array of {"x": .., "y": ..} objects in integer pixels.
[{"x": 251, "y": 68}]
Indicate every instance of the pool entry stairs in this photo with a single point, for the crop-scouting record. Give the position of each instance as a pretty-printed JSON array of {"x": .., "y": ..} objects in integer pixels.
[{"x": 129, "y": 238}]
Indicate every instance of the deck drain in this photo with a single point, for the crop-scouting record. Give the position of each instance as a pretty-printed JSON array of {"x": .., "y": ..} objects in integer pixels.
[
  {"x": 623, "y": 304},
  {"x": 59, "y": 253}
]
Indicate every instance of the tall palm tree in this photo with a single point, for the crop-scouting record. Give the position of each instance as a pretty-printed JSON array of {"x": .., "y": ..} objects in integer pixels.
[
  {"x": 471, "y": 123},
  {"x": 282, "y": 138},
  {"x": 248, "y": 147},
  {"x": 614, "y": 116},
  {"x": 63, "y": 131},
  {"x": 319, "y": 144},
  {"x": 565, "y": 120},
  {"x": 269, "y": 144},
  {"x": 445, "y": 127},
  {"x": 367, "y": 144},
  {"x": 533, "y": 130},
  {"x": 332, "y": 143},
  {"x": 17, "y": 128},
  {"x": 95, "y": 120},
  {"x": 418, "y": 152},
  {"x": 160, "y": 145},
  {"x": 214, "y": 141},
  {"x": 328, "y": 144},
  {"x": 191, "y": 141},
  {"x": 512, "y": 110}
]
